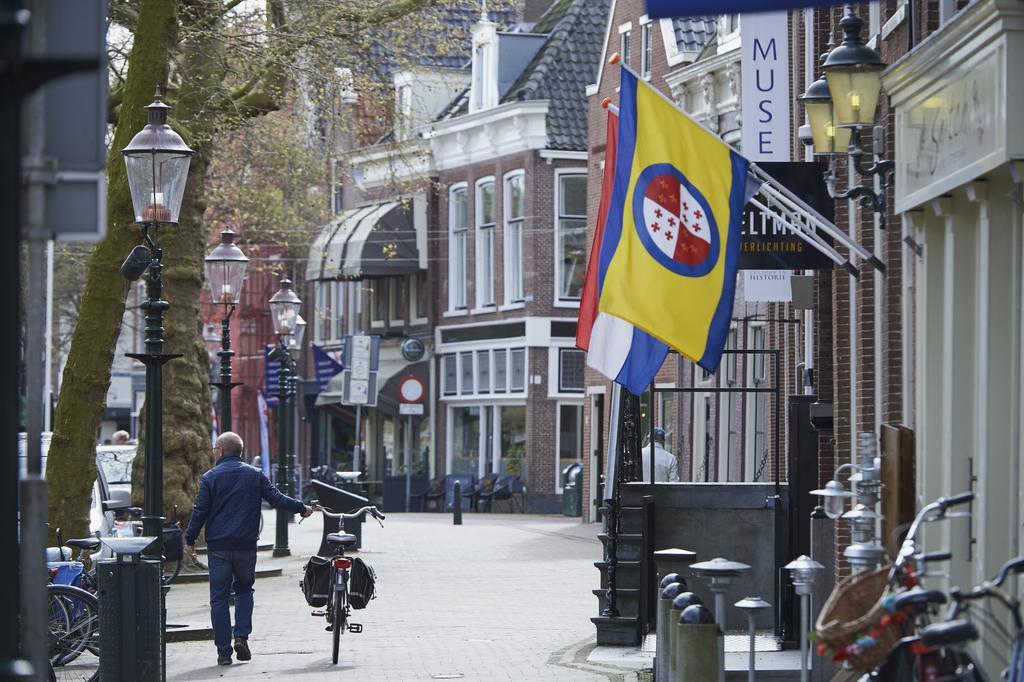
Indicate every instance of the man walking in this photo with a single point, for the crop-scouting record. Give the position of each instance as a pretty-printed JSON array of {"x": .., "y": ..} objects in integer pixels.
[
  {"x": 229, "y": 503},
  {"x": 666, "y": 467}
]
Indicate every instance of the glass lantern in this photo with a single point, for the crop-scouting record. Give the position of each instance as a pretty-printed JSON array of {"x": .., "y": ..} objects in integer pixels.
[
  {"x": 157, "y": 162},
  {"x": 225, "y": 270},
  {"x": 854, "y": 74},
  {"x": 284, "y": 309}
]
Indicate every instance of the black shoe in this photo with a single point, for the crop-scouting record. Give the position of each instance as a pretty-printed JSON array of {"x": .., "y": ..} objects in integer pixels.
[
  {"x": 223, "y": 660},
  {"x": 242, "y": 649}
]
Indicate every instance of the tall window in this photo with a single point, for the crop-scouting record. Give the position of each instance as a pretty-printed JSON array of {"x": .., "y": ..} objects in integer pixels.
[
  {"x": 572, "y": 233},
  {"x": 485, "y": 243},
  {"x": 646, "y": 50},
  {"x": 515, "y": 210},
  {"x": 330, "y": 306},
  {"x": 380, "y": 295},
  {"x": 399, "y": 300},
  {"x": 420, "y": 300},
  {"x": 624, "y": 34},
  {"x": 457, "y": 229},
  {"x": 570, "y": 439}
]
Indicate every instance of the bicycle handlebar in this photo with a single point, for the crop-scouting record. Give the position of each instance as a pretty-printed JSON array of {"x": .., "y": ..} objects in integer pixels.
[
  {"x": 956, "y": 500},
  {"x": 371, "y": 510}
]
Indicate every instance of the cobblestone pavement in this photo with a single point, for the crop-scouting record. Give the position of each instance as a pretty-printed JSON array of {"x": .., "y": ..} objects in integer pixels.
[{"x": 502, "y": 597}]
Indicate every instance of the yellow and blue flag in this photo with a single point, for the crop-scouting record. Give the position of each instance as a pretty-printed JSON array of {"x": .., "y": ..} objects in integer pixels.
[{"x": 669, "y": 256}]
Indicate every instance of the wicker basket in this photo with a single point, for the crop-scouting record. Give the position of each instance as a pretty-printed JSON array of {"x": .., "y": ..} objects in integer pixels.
[{"x": 854, "y": 609}]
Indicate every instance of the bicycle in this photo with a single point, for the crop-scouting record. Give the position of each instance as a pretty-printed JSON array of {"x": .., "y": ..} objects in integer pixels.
[
  {"x": 338, "y": 609},
  {"x": 74, "y": 633}
]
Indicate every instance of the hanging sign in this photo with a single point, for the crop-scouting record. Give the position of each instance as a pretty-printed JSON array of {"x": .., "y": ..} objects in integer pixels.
[{"x": 764, "y": 73}]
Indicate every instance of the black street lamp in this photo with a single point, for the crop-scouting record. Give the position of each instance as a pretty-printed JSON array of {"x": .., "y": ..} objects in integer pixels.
[
  {"x": 225, "y": 273},
  {"x": 284, "y": 311},
  {"x": 843, "y": 102},
  {"x": 157, "y": 161}
]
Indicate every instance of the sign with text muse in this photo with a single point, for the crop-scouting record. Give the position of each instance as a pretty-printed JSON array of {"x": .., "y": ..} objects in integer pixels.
[{"x": 766, "y": 99}]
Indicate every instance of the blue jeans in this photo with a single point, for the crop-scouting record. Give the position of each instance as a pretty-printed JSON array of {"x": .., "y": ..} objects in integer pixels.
[{"x": 231, "y": 570}]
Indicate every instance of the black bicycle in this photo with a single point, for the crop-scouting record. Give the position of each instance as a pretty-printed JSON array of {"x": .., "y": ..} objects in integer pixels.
[{"x": 338, "y": 609}]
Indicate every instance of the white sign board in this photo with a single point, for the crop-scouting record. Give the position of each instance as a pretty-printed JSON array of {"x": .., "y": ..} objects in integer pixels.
[
  {"x": 767, "y": 286},
  {"x": 764, "y": 71},
  {"x": 410, "y": 408}
]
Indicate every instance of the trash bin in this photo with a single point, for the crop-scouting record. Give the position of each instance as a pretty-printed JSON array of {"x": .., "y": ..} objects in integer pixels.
[
  {"x": 130, "y": 624},
  {"x": 572, "y": 490},
  {"x": 339, "y": 501}
]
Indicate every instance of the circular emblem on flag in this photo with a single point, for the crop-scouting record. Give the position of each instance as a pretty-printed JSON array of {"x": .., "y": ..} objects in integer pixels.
[{"x": 674, "y": 221}]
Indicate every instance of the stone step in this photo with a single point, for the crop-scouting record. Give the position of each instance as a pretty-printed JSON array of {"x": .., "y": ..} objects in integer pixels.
[
  {"x": 188, "y": 633},
  {"x": 626, "y": 600},
  {"x": 204, "y": 576},
  {"x": 621, "y": 631},
  {"x": 628, "y": 545},
  {"x": 627, "y": 573}
]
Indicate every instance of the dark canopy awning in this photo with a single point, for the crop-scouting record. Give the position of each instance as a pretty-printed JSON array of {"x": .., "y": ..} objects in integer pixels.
[{"x": 380, "y": 240}]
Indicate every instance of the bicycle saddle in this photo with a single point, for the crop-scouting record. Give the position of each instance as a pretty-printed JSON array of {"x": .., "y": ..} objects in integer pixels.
[
  {"x": 84, "y": 543},
  {"x": 951, "y": 632},
  {"x": 918, "y": 598},
  {"x": 341, "y": 538}
]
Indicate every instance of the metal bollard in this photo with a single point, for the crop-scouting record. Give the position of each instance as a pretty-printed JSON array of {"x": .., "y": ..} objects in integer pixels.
[
  {"x": 669, "y": 591},
  {"x": 751, "y": 605},
  {"x": 695, "y": 656},
  {"x": 457, "y": 504},
  {"x": 681, "y": 602}
]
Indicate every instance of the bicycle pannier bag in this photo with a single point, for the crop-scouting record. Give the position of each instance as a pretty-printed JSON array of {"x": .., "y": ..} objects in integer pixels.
[
  {"x": 173, "y": 544},
  {"x": 316, "y": 581},
  {"x": 361, "y": 584}
]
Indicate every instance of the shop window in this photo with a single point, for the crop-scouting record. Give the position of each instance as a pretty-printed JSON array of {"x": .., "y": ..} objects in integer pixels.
[
  {"x": 451, "y": 374},
  {"x": 466, "y": 370},
  {"x": 465, "y": 439},
  {"x": 570, "y": 439},
  {"x": 518, "y": 370}
]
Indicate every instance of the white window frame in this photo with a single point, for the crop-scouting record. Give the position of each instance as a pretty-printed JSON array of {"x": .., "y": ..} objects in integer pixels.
[
  {"x": 646, "y": 47},
  {"x": 560, "y": 302},
  {"x": 494, "y": 430},
  {"x": 395, "y": 306},
  {"x": 558, "y": 438},
  {"x": 513, "y": 299},
  {"x": 625, "y": 41},
  {"x": 555, "y": 372},
  {"x": 331, "y": 330},
  {"x": 731, "y": 40},
  {"x": 453, "y": 285},
  {"x": 476, "y": 394},
  {"x": 482, "y": 259},
  {"x": 414, "y": 293},
  {"x": 375, "y": 322}
]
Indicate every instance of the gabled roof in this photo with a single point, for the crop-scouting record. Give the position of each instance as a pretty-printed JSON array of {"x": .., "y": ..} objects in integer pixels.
[{"x": 561, "y": 70}]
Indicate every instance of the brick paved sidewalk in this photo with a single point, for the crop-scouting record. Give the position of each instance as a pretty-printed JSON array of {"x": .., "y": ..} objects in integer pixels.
[{"x": 502, "y": 597}]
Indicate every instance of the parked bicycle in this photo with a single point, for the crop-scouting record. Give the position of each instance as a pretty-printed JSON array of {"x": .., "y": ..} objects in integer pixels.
[
  {"x": 74, "y": 633},
  {"x": 340, "y": 583}
]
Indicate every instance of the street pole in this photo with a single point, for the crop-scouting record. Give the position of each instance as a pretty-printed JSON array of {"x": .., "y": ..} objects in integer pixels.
[
  {"x": 225, "y": 384},
  {"x": 281, "y": 539},
  {"x": 408, "y": 460}
]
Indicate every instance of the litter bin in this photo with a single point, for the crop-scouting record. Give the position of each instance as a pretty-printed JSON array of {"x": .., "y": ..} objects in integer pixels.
[
  {"x": 572, "y": 490},
  {"x": 130, "y": 624},
  {"x": 339, "y": 500}
]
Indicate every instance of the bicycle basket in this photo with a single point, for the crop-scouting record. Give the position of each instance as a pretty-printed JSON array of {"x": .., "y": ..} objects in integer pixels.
[
  {"x": 173, "y": 543},
  {"x": 316, "y": 581},
  {"x": 852, "y": 616},
  {"x": 362, "y": 584}
]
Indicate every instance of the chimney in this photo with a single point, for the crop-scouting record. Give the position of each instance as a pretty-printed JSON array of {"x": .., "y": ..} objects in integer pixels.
[{"x": 484, "y": 87}]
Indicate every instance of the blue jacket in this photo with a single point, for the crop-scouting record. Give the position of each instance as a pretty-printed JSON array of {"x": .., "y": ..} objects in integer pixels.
[{"x": 228, "y": 503}]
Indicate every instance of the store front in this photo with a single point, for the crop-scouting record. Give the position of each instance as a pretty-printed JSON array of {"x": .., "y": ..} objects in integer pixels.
[{"x": 959, "y": 99}]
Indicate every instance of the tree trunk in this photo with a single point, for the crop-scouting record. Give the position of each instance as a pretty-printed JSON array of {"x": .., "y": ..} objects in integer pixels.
[{"x": 71, "y": 461}]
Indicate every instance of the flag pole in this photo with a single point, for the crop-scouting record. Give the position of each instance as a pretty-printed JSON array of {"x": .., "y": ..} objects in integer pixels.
[{"x": 826, "y": 225}]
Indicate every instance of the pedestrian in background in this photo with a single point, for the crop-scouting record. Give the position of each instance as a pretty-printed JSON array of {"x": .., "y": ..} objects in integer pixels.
[
  {"x": 229, "y": 504},
  {"x": 666, "y": 467}
]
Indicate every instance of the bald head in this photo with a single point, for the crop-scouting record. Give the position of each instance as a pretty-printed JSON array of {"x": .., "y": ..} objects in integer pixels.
[{"x": 228, "y": 443}]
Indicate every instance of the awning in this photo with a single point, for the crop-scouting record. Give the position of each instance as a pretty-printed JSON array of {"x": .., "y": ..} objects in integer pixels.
[{"x": 380, "y": 240}]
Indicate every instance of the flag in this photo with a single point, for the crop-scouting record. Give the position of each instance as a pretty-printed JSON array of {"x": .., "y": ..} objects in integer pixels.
[
  {"x": 671, "y": 244},
  {"x": 326, "y": 367},
  {"x": 615, "y": 348},
  {"x": 660, "y": 9},
  {"x": 264, "y": 433}
]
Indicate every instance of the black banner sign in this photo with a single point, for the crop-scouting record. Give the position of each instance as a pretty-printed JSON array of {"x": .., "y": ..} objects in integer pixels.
[{"x": 767, "y": 244}]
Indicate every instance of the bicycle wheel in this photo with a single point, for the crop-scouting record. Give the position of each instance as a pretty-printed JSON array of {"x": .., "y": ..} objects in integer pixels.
[
  {"x": 171, "y": 569},
  {"x": 338, "y": 619},
  {"x": 74, "y": 633}
]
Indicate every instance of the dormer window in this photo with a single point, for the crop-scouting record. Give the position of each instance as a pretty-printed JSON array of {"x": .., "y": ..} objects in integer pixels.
[{"x": 484, "y": 87}]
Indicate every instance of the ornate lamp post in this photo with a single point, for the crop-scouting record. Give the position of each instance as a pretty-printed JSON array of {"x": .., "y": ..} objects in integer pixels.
[
  {"x": 225, "y": 273},
  {"x": 803, "y": 571},
  {"x": 157, "y": 161},
  {"x": 284, "y": 310}
]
